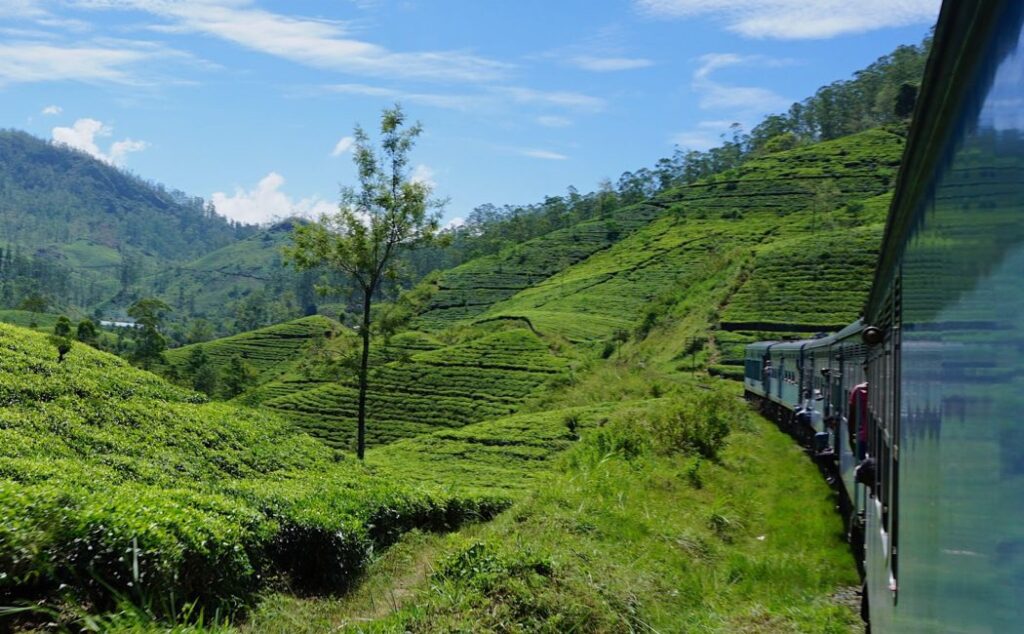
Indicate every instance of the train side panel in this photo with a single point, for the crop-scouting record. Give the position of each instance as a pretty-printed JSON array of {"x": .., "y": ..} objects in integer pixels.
[{"x": 946, "y": 519}]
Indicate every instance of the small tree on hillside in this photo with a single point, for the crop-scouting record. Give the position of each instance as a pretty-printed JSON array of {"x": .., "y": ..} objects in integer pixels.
[
  {"x": 35, "y": 304},
  {"x": 236, "y": 377},
  {"x": 149, "y": 343},
  {"x": 388, "y": 213},
  {"x": 63, "y": 346},
  {"x": 86, "y": 332},
  {"x": 202, "y": 372},
  {"x": 63, "y": 327}
]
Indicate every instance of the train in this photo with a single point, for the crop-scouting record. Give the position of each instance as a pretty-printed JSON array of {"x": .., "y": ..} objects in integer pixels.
[{"x": 916, "y": 410}]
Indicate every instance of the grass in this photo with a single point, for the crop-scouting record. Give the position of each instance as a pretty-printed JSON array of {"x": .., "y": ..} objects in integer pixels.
[{"x": 615, "y": 533}]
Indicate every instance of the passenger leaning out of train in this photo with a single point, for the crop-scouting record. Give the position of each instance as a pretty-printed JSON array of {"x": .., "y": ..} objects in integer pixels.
[
  {"x": 803, "y": 414},
  {"x": 857, "y": 427}
]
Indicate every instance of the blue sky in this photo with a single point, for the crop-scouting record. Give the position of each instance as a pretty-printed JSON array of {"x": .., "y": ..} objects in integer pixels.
[{"x": 249, "y": 103}]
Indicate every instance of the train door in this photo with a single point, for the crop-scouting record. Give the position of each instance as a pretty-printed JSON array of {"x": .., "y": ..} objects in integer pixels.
[{"x": 883, "y": 446}]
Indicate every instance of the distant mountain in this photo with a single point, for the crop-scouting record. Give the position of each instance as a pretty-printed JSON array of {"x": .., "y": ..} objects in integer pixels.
[
  {"x": 84, "y": 233},
  {"x": 52, "y": 194}
]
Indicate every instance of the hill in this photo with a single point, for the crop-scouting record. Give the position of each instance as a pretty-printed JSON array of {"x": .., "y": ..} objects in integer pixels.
[
  {"x": 241, "y": 286},
  {"x": 487, "y": 376},
  {"x": 268, "y": 353},
  {"x": 111, "y": 480},
  {"x": 67, "y": 211},
  {"x": 784, "y": 244},
  {"x": 734, "y": 256}
]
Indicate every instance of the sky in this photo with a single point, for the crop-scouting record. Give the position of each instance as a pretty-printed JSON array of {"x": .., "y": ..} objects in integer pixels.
[{"x": 252, "y": 103}]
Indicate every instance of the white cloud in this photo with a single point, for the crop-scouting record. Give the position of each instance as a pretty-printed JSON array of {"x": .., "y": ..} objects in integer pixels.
[
  {"x": 36, "y": 62},
  {"x": 325, "y": 44},
  {"x": 423, "y": 174},
  {"x": 83, "y": 135},
  {"x": 489, "y": 98},
  {"x": 799, "y": 19},
  {"x": 561, "y": 98},
  {"x": 266, "y": 202},
  {"x": 344, "y": 144},
  {"x": 542, "y": 154},
  {"x": 52, "y": 110},
  {"x": 606, "y": 64},
  {"x": 551, "y": 121},
  {"x": 120, "y": 149},
  {"x": 745, "y": 99},
  {"x": 706, "y": 135}
]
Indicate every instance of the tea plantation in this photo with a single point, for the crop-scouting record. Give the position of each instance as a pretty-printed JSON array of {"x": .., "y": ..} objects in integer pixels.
[
  {"x": 485, "y": 377},
  {"x": 573, "y": 379},
  {"x": 268, "y": 352},
  {"x": 114, "y": 483}
]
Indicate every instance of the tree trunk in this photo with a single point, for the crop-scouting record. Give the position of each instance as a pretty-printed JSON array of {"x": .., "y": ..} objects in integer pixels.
[{"x": 363, "y": 371}]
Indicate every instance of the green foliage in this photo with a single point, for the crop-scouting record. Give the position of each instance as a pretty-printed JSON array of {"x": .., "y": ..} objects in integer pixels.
[
  {"x": 388, "y": 214},
  {"x": 626, "y": 541},
  {"x": 62, "y": 344},
  {"x": 697, "y": 425},
  {"x": 150, "y": 493},
  {"x": 63, "y": 327},
  {"x": 86, "y": 332}
]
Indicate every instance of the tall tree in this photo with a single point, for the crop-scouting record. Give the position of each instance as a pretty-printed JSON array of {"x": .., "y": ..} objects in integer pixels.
[{"x": 387, "y": 213}]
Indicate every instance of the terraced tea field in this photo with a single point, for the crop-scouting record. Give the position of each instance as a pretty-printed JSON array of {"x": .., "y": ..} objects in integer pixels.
[
  {"x": 818, "y": 282},
  {"x": 268, "y": 351},
  {"x": 610, "y": 290},
  {"x": 764, "y": 211},
  {"x": 450, "y": 387},
  {"x": 470, "y": 289},
  {"x": 212, "y": 501},
  {"x": 503, "y": 456}
]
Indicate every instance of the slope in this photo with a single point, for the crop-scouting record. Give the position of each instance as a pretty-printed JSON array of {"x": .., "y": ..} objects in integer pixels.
[
  {"x": 770, "y": 217},
  {"x": 269, "y": 353},
  {"x": 238, "y": 287},
  {"x": 488, "y": 375},
  {"x": 470, "y": 289},
  {"x": 114, "y": 482},
  {"x": 89, "y": 228}
]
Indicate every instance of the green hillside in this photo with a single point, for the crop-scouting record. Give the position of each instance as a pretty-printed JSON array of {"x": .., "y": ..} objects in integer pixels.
[
  {"x": 782, "y": 223},
  {"x": 468, "y": 290},
  {"x": 81, "y": 229},
  {"x": 485, "y": 377},
  {"x": 563, "y": 393},
  {"x": 269, "y": 352},
  {"x": 112, "y": 480}
]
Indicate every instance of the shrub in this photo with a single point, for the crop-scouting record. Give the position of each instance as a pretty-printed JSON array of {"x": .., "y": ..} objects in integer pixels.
[{"x": 699, "y": 424}]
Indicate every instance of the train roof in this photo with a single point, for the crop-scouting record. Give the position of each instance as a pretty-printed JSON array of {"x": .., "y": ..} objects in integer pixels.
[{"x": 955, "y": 54}]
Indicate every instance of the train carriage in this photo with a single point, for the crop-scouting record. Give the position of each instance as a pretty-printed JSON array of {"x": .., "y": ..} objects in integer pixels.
[{"x": 938, "y": 431}]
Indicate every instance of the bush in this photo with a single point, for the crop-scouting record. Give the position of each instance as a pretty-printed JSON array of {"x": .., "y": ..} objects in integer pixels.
[{"x": 699, "y": 424}]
